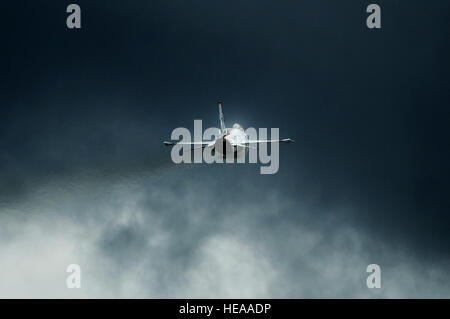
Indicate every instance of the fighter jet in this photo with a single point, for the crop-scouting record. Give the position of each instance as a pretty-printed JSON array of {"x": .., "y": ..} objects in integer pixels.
[{"x": 231, "y": 141}]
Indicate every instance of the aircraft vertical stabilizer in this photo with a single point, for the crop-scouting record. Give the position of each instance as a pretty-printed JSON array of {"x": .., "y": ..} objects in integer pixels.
[{"x": 222, "y": 121}]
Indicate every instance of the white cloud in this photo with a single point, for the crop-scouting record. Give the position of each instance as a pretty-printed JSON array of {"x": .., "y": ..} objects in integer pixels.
[{"x": 178, "y": 239}]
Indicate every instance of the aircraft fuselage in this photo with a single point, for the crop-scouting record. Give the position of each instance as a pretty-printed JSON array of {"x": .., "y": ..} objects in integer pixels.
[{"x": 232, "y": 142}]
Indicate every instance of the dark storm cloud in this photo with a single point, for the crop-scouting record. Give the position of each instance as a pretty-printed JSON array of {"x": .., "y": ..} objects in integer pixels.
[{"x": 83, "y": 114}]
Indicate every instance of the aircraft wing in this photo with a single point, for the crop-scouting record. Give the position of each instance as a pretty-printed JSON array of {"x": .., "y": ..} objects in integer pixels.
[
  {"x": 195, "y": 145},
  {"x": 285, "y": 140}
]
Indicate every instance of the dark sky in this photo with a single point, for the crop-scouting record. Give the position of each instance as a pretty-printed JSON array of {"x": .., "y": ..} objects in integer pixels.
[{"x": 83, "y": 114}]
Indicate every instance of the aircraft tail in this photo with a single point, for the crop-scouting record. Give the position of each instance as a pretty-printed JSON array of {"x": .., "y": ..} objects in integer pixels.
[{"x": 222, "y": 121}]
